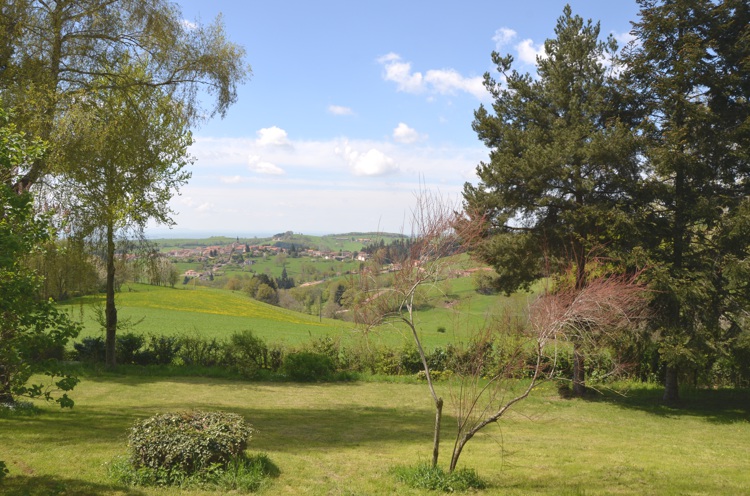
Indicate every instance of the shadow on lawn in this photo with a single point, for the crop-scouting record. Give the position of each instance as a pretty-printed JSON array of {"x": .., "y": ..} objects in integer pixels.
[
  {"x": 44, "y": 485},
  {"x": 720, "y": 406}
]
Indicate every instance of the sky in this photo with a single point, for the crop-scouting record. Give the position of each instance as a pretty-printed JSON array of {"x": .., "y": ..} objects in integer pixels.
[{"x": 354, "y": 108}]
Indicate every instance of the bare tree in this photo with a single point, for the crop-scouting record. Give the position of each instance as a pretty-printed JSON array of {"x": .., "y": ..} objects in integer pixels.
[{"x": 437, "y": 236}]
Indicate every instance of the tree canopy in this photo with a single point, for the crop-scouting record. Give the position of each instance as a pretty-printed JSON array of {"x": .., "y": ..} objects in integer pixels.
[
  {"x": 52, "y": 54},
  {"x": 32, "y": 330},
  {"x": 689, "y": 78}
]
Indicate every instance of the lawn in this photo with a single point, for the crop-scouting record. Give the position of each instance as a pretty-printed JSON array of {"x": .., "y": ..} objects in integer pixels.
[{"x": 342, "y": 439}]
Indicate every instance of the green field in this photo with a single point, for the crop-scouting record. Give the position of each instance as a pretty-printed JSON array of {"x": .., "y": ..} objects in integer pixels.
[
  {"x": 219, "y": 313},
  {"x": 342, "y": 439}
]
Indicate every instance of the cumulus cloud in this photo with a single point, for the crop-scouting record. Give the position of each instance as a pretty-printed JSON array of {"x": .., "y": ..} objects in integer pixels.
[
  {"x": 399, "y": 72},
  {"x": 256, "y": 164},
  {"x": 273, "y": 136},
  {"x": 407, "y": 135},
  {"x": 502, "y": 37},
  {"x": 373, "y": 162},
  {"x": 230, "y": 179},
  {"x": 339, "y": 110},
  {"x": 205, "y": 207},
  {"x": 435, "y": 81},
  {"x": 528, "y": 51}
]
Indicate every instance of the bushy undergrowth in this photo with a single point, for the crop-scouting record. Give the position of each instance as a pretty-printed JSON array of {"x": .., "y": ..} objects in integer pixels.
[
  {"x": 423, "y": 476},
  {"x": 3, "y": 471},
  {"x": 305, "y": 366},
  {"x": 247, "y": 356}
]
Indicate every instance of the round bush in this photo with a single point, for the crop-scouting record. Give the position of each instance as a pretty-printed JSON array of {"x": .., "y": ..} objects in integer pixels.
[{"x": 188, "y": 441}]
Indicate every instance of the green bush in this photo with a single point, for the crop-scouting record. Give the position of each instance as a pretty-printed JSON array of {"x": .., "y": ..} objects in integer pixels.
[
  {"x": 423, "y": 476},
  {"x": 3, "y": 471},
  {"x": 127, "y": 347},
  {"x": 161, "y": 350},
  {"x": 398, "y": 362},
  {"x": 195, "y": 350},
  {"x": 90, "y": 350},
  {"x": 188, "y": 442},
  {"x": 246, "y": 353},
  {"x": 305, "y": 366}
]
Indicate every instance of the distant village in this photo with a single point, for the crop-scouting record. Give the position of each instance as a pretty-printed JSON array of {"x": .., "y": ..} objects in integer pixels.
[{"x": 244, "y": 254}]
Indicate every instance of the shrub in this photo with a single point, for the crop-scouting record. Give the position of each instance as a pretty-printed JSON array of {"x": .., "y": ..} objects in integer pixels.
[
  {"x": 163, "y": 349},
  {"x": 398, "y": 362},
  {"x": 195, "y": 350},
  {"x": 127, "y": 347},
  {"x": 329, "y": 347},
  {"x": 90, "y": 350},
  {"x": 308, "y": 367},
  {"x": 3, "y": 471},
  {"x": 188, "y": 442},
  {"x": 246, "y": 353},
  {"x": 423, "y": 476}
]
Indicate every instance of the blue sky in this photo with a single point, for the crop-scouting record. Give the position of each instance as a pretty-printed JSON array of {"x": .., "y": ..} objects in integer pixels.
[{"x": 353, "y": 107}]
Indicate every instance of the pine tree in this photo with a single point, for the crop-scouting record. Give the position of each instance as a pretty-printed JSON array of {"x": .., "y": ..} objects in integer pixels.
[{"x": 558, "y": 183}]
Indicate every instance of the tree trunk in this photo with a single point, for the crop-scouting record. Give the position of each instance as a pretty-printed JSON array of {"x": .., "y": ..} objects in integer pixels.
[
  {"x": 457, "y": 451},
  {"x": 110, "y": 311},
  {"x": 6, "y": 395},
  {"x": 579, "y": 373},
  {"x": 436, "y": 440},
  {"x": 579, "y": 358},
  {"x": 671, "y": 390}
]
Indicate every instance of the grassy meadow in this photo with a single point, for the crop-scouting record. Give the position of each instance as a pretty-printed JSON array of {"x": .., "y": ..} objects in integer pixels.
[
  {"x": 452, "y": 314},
  {"x": 344, "y": 438}
]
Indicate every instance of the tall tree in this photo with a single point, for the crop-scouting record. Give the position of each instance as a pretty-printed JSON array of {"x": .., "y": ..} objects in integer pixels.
[
  {"x": 54, "y": 52},
  {"x": 690, "y": 78},
  {"x": 29, "y": 325},
  {"x": 126, "y": 150},
  {"x": 558, "y": 184}
]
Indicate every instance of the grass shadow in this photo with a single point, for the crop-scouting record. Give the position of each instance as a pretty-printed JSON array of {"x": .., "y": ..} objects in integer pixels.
[
  {"x": 719, "y": 406},
  {"x": 45, "y": 485}
]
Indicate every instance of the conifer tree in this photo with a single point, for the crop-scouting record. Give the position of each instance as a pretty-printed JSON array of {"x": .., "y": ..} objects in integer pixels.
[{"x": 562, "y": 164}]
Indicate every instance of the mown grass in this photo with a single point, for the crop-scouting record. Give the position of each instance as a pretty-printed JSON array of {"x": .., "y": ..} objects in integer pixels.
[{"x": 345, "y": 439}]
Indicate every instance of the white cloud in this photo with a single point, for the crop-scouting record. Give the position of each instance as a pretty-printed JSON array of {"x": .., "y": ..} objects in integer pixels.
[
  {"x": 205, "y": 207},
  {"x": 188, "y": 25},
  {"x": 272, "y": 136},
  {"x": 448, "y": 81},
  {"x": 435, "y": 81},
  {"x": 400, "y": 73},
  {"x": 407, "y": 135},
  {"x": 528, "y": 52},
  {"x": 502, "y": 37},
  {"x": 256, "y": 164},
  {"x": 230, "y": 180},
  {"x": 339, "y": 110},
  {"x": 624, "y": 38},
  {"x": 373, "y": 162}
]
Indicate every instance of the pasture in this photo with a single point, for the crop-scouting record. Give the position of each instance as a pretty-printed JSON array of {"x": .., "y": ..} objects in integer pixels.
[
  {"x": 343, "y": 439},
  {"x": 451, "y": 313}
]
